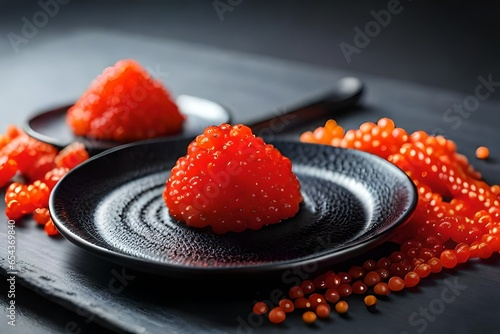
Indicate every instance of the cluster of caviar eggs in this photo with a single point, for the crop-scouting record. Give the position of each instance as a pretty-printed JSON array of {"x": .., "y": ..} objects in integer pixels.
[
  {"x": 457, "y": 218},
  {"x": 29, "y": 170}
]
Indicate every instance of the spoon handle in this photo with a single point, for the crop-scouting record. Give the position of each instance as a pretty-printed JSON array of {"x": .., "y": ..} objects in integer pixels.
[{"x": 345, "y": 94}]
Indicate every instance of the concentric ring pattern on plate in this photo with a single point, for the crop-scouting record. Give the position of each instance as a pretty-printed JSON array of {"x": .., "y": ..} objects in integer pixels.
[{"x": 112, "y": 205}]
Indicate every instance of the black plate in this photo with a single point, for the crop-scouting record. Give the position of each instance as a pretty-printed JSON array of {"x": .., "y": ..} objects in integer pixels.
[
  {"x": 50, "y": 126},
  {"x": 112, "y": 206}
]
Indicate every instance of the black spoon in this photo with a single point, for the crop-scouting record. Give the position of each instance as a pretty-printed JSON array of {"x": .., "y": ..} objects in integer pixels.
[{"x": 50, "y": 126}]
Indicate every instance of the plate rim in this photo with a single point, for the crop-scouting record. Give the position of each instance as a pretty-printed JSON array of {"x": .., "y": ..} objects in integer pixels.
[{"x": 156, "y": 267}]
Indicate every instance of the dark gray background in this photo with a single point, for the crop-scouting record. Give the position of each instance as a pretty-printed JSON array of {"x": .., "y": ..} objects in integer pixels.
[{"x": 440, "y": 45}]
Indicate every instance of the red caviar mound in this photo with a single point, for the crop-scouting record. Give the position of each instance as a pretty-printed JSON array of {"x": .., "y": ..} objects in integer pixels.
[
  {"x": 232, "y": 180},
  {"x": 125, "y": 103}
]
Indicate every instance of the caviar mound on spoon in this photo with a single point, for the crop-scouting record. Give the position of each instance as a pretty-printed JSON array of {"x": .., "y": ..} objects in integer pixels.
[{"x": 123, "y": 104}]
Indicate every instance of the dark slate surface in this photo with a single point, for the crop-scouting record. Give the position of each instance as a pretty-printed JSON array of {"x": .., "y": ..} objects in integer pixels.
[{"x": 130, "y": 301}]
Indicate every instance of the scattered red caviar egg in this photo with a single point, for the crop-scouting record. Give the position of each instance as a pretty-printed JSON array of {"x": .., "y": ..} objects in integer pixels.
[
  {"x": 309, "y": 317},
  {"x": 400, "y": 269},
  {"x": 345, "y": 290},
  {"x": 13, "y": 210},
  {"x": 384, "y": 263},
  {"x": 277, "y": 315},
  {"x": 411, "y": 279},
  {"x": 482, "y": 152},
  {"x": 381, "y": 289},
  {"x": 396, "y": 257},
  {"x": 8, "y": 169},
  {"x": 370, "y": 300},
  {"x": 369, "y": 265},
  {"x": 435, "y": 264},
  {"x": 41, "y": 216},
  {"x": 480, "y": 250},
  {"x": 54, "y": 175},
  {"x": 323, "y": 311},
  {"x": 342, "y": 307},
  {"x": 319, "y": 282},
  {"x": 384, "y": 274},
  {"x": 33, "y": 157},
  {"x": 359, "y": 287},
  {"x": 71, "y": 156},
  {"x": 356, "y": 272},
  {"x": 315, "y": 299},
  {"x": 287, "y": 305},
  {"x": 396, "y": 283},
  {"x": 332, "y": 295},
  {"x": 296, "y": 292},
  {"x": 260, "y": 308},
  {"x": 308, "y": 287},
  {"x": 332, "y": 280},
  {"x": 24, "y": 199},
  {"x": 302, "y": 303},
  {"x": 345, "y": 278},
  {"x": 448, "y": 258},
  {"x": 50, "y": 228},
  {"x": 423, "y": 270},
  {"x": 372, "y": 278}
]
